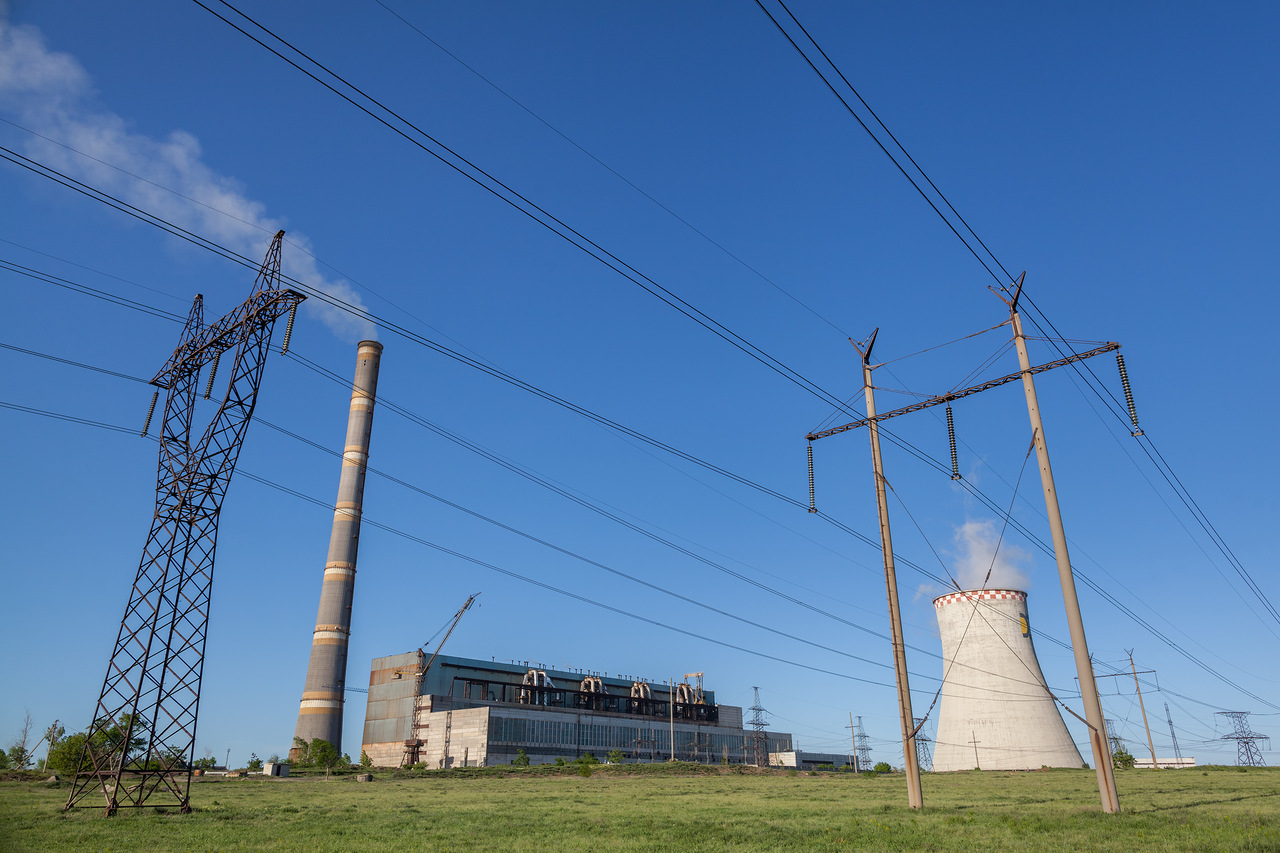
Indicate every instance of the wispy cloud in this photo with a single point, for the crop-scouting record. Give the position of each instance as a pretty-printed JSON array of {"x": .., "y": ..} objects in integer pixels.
[
  {"x": 51, "y": 94},
  {"x": 976, "y": 542}
]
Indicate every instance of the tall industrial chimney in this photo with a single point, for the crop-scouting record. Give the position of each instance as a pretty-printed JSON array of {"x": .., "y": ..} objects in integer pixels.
[
  {"x": 320, "y": 713},
  {"x": 996, "y": 712}
]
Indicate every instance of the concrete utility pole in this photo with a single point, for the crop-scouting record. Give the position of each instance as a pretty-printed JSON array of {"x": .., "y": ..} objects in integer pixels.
[
  {"x": 1080, "y": 648},
  {"x": 1155, "y": 765},
  {"x": 915, "y": 798},
  {"x": 853, "y": 736}
]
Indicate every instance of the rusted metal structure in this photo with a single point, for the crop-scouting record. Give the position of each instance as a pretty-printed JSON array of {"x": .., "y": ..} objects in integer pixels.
[
  {"x": 141, "y": 742},
  {"x": 320, "y": 710}
]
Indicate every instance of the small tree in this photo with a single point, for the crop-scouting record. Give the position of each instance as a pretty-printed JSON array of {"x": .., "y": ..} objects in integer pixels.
[
  {"x": 365, "y": 761},
  {"x": 1122, "y": 760},
  {"x": 883, "y": 767},
  {"x": 19, "y": 753},
  {"x": 521, "y": 759},
  {"x": 324, "y": 754},
  {"x": 255, "y": 763},
  {"x": 616, "y": 756}
]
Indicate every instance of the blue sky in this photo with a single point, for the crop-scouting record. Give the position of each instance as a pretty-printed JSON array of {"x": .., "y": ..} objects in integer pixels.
[{"x": 1123, "y": 156}]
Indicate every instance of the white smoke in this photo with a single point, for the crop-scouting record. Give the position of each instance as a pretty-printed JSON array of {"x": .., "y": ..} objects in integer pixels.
[
  {"x": 976, "y": 554},
  {"x": 51, "y": 94}
]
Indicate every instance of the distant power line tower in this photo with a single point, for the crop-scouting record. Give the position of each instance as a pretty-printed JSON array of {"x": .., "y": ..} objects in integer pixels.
[
  {"x": 1248, "y": 754},
  {"x": 1177, "y": 753},
  {"x": 862, "y": 746},
  {"x": 142, "y": 736},
  {"x": 924, "y": 748},
  {"x": 759, "y": 743},
  {"x": 1117, "y": 742}
]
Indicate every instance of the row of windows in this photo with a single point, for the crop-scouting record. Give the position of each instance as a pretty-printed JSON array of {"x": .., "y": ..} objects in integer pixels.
[{"x": 573, "y": 736}]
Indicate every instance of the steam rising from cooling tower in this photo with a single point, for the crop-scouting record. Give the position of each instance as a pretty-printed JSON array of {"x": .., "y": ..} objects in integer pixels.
[
  {"x": 320, "y": 713},
  {"x": 996, "y": 712}
]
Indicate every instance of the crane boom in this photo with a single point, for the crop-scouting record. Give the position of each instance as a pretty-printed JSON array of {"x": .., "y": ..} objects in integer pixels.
[
  {"x": 456, "y": 619},
  {"x": 413, "y": 745}
]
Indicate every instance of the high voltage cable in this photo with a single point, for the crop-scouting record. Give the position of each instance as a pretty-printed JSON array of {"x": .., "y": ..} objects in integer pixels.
[
  {"x": 444, "y": 433},
  {"x": 968, "y": 487},
  {"x": 695, "y": 229},
  {"x": 516, "y": 200},
  {"x": 1114, "y": 406},
  {"x": 515, "y": 531},
  {"x": 1201, "y": 521},
  {"x": 544, "y": 585},
  {"x": 231, "y": 255}
]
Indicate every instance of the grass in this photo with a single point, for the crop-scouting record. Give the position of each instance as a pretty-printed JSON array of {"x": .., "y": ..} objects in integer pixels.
[{"x": 659, "y": 809}]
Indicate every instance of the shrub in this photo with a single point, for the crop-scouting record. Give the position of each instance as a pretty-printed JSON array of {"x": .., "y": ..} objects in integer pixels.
[
  {"x": 1121, "y": 760},
  {"x": 588, "y": 758},
  {"x": 560, "y": 762},
  {"x": 882, "y": 767},
  {"x": 584, "y": 768},
  {"x": 616, "y": 756},
  {"x": 521, "y": 759},
  {"x": 365, "y": 761}
]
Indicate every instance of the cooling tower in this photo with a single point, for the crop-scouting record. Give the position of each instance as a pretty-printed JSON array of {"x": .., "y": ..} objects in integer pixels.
[
  {"x": 320, "y": 713},
  {"x": 996, "y": 713}
]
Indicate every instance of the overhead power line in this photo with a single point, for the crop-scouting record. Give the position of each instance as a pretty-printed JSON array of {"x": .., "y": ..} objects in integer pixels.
[
  {"x": 964, "y": 484},
  {"x": 1057, "y": 340}
]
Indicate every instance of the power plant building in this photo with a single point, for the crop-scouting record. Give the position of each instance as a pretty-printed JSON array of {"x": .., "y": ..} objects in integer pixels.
[
  {"x": 996, "y": 712},
  {"x": 477, "y": 713}
]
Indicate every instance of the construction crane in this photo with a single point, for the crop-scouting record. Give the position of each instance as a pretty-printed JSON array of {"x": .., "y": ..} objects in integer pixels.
[{"x": 413, "y": 745}]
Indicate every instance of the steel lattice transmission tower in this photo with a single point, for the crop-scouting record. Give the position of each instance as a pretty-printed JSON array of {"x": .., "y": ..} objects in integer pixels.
[
  {"x": 1177, "y": 753},
  {"x": 759, "y": 751},
  {"x": 862, "y": 746},
  {"x": 1248, "y": 754},
  {"x": 142, "y": 738},
  {"x": 924, "y": 750}
]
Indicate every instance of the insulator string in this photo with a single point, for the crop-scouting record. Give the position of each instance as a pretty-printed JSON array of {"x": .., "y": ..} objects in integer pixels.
[
  {"x": 951, "y": 437},
  {"x": 1128, "y": 394},
  {"x": 151, "y": 410},
  {"x": 288, "y": 329},
  {"x": 812, "y": 506},
  {"x": 213, "y": 372}
]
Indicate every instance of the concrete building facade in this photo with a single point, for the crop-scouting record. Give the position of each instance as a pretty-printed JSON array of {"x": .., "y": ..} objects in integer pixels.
[{"x": 475, "y": 713}]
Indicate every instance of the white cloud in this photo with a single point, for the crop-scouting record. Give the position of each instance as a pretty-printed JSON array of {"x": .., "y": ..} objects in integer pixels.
[
  {"x": 976, "y": 543},
  {"x": 51, "y": 94}
]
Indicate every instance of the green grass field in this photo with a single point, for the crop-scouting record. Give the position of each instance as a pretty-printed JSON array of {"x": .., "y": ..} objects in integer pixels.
[{"x": 1209, "y": 809}]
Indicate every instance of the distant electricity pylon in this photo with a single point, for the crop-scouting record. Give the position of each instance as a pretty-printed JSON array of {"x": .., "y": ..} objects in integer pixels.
[
  {"x": 1247, "y": 752},
  {"x": 862, "y": 746},
  {"x": 1117, "y": 742},
  {"x": 759, "y": 740},
  {"x": 143, "y": 734},
  {"x": 924, "y": 749},
  {"x": 1177, "y": 753}
]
